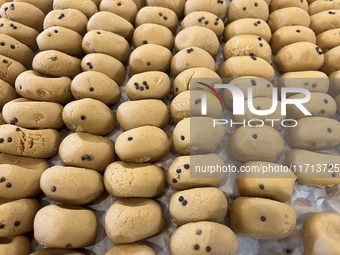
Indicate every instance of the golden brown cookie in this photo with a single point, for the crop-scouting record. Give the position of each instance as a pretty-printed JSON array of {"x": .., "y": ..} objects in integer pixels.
[
  {"x": 87, "y": 7},
  {"x": 217, "y": 7},
  {"x": 241, "y": 9}
]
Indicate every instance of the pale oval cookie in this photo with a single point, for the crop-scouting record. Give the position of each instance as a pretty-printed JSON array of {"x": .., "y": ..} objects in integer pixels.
[
  {"x": 148, "y": 85},
  {"x": 8, "y": 93},
  {"x": 290, "y": 16},
  {"x": 204, "y": 19},
  {"x": 130, "y": 249},
  {"x": 150, "y": 57},
  {"x": 330, "y": 63},
  {"x": 126, "y": 9},
  {"x": 241, "y": 9},
  {"x": 246, "y": 66},
  {"x": 247, "y": 45},
  {"x": 325, "y": 20},
  {"x": 105, "y": 64},
  {"x": 319, "y": 6},
  {"x": 189, "y": 58},
  {"x": 123, "y": 179},
  {"x": 248, "y": 26},
  {"x": 328, "y": 39},
  {"x": 157, "y": 15},
  {"x": 17, "y": 245},
  {"x": 89, "y": 116},
  {"x": 45, "y": 6},
  {"x": 71, "y": 185},
  {"x": 61, "y": 39},
  {"x": 87, "y": 151},
  {"x": 42, "y": 143},
  {"x": 35, "y": 86},
  {"x": 130, "y": 145},
  {"x": 176, "y": 6},
  {"x": 24, "y": 13},
  {"x": 79, "y": 228},
  {"x": 55, "y": 63},
  {"x": 291, "y": 34},
  {"x": 149, "y": 112},
  {"x": 100, "y": 41},
  {"x": 16, "y": 50},
  {"x": 87, "y": 7},
  {"x": 142, "y": 218},
  {"x": 10, "y": 69},
  {"x": 20, "y": 32},
  {"x": 95, "y": 85},
  {"x": 197, "y": 36},
  {"x": 334, "y": 84},
  {"x": 217, "y": 7},
  {"x": 300, "y": 56},
  {"x": 69, "y": 18},
  {"x": 32, "y": 114},
  {"x": 277, "y": 4},
  {"x": 111, "y": 22}
]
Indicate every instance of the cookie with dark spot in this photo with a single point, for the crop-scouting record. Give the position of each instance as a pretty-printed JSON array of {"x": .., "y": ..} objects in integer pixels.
[
  {"x": 87, "y": 7},
  {"x": 126, "y": 9},
  {"x": 241, "y": 9}
]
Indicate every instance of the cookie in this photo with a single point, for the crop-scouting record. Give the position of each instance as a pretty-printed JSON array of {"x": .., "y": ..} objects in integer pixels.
[
  {"x": 45, "y": 6},
  {"x": 143, "y": 144},
  {"x": 133, "y": 180},
  {"x": 325, "y": 20},
  {"x": 176, "y": 6},
  {"x": 290, "y": 16},
  {"x": 111, "y": 22},
  {"x": 314, "y": 81},
  {"x": 69, "y": 18},
  {"x": 131, "y": 220},
  {"x": 130, "y": 249},
  {"x": 10, "y": 69},
  {"x": 55, "y": 63},
  {"x": 272, "y": 183},
  {"x": 89, "y": 116},
  {"x": 150, "y": 57},
  {"x": 204, "y": 19},
  {"x": 61, "y": 39},
  {"x": 321, "y": 226},
  {"x": 300, "y": 56},
  {"x": 187, "y": 79},
  {"x": 31, "y": 143},
  {"x": 24, "y": 13},
  {"x": 246, "y": 66},
  {"x": 100, "y": 41},
  {"x": 99, "y": 87},
  {"x": 334, "y": 84},
  {"x": 33, "y": 85},
  {"x": 261, "y": 104},
  {"x": 217, "y": 7},
  {"x": 189, "y": 141},
  {"x": 154, "y": 34},
  {"x": 20, "y": 176},
  {"x": 157, "y": 15},
  {"x": 87, "y": 7},
  {"x": 211, "y": 202},
  {"x": 190, "y": 58},
  {"x": 105, "y": 64},
  {"x": 60, "y": 226},
  {"x": 320, "y": 105},
  {"x": 32, "y": 114},
  {"x": 17, "y": 245},
  {"x": 87, "y": 151},
  {"x": 277, "y": 4},
  {"x": 247, "y": 45},
  {"x": 248, "y": 26},
  {"x": 255, "y": 144},
  {"x": 140, "y": 3},
  {"x": 57, "y": 252},
  {"x": 150, "y": 112},
  {"x": 126, "y": 9},
  {"x": 17, "y": 216},
  {"x": 328, "y": 39},
  {"x": 269, "y": 219},
  {"x": 313, "y": 168},
  {"x": 203, "y": 237},
  {"x": 260, "y": 88},
  {"x": 188, "y": 104},
  {"x": 241, "y": 9},
  {"x": 16, "y": 50},
  {"x": 198, "y": 36},
  {"x": 20, "y": 32},
  {"x": 330, "y": 63},
  {"x": 71, "y": 185},
  {"x": 314, "y": 133},
  {"x": 7, "y": 92},
  {"x": 182, "y": 169},
  {"x": 319, "y": 6},
  {"x": 158, "y": 83}
]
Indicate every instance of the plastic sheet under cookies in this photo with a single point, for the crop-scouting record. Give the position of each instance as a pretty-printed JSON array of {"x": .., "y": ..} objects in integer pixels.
[{"x": 306, "y": 201}]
